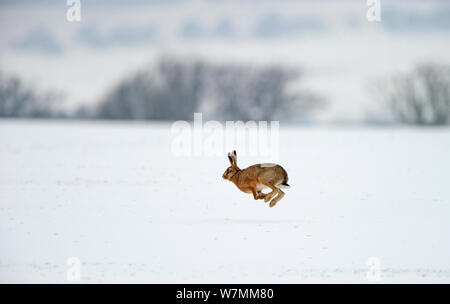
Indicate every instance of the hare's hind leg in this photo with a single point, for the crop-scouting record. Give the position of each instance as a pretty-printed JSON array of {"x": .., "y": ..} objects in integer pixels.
[
  {"x": 271, "y": 194},
  {"x": 277, "y": 198}
]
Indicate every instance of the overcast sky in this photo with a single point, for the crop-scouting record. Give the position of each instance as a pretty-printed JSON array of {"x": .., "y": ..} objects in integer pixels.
[{"x": 332, "y": 40}]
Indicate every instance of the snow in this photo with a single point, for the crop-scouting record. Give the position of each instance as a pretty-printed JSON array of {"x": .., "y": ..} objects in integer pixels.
[{"x": 114, "y": 196}]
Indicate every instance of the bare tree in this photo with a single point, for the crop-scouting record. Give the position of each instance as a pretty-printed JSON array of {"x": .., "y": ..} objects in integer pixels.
[
  {"x": 420, "y": 97},
  {"x": 18, "y": 100},
  {"x": 170, "y": 90},
  {"x": 175, "y": 89},
  {"x": 262, "y": 93}
]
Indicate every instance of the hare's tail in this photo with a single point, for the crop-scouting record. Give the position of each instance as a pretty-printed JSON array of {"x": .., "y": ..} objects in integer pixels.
[{"x": 284, "y": 185}]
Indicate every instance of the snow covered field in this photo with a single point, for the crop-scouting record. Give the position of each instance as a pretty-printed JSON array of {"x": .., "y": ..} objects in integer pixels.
[{"x": 113, "y": 196}]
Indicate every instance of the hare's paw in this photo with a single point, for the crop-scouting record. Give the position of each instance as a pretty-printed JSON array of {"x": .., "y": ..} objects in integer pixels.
[
  {"x": 272, "y": 204},
  {"x": 267, "y": 198},
  {"x": 261, "y": 196}
]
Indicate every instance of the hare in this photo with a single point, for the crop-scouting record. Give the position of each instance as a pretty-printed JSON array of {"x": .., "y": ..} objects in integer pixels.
[{"x": 256, "y": 178}]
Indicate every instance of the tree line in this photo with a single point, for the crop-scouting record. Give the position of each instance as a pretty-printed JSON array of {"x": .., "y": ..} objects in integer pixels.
[{"x": 173, "y": 89}]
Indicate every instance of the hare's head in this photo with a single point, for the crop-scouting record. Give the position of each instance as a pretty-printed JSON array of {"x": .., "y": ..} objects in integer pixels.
[{"x": 233, "y": 169}]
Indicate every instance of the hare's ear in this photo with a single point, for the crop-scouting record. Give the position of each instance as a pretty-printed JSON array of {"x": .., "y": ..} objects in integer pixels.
[
  {"x": 230, "y": 158},
  {"x": 234, "y": 158}
]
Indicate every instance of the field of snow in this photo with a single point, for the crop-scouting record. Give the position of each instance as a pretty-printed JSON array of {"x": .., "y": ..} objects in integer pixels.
[{"x": 114, "y": 196}]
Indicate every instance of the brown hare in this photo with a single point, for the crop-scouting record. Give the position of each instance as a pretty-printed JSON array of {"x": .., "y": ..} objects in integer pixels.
[{"x": 256, "y": 178}]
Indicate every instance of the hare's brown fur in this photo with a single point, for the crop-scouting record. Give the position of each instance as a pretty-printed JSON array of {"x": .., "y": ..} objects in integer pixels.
[{"x": 256, "y": 178}]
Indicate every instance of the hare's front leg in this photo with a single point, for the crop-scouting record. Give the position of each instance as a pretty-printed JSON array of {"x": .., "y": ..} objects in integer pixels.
[
  {"x": 260, "y": 194},
  {"x": 257, "y": 194}
]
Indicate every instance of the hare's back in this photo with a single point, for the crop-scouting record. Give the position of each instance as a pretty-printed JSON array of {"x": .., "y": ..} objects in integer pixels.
[{"x": 272, "y": 173}]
